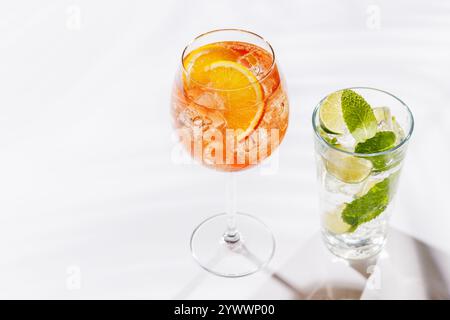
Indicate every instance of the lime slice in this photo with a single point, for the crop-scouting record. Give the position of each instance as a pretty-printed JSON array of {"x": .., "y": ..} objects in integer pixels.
[
  {"x": 347, "y": 168},
  {"x": 330, "y": 114},
  {"x": 328, "y": 137},
  {"x": 334, "y": 223}
]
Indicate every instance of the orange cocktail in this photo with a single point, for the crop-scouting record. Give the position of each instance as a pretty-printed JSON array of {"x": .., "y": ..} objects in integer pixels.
[{"x": 229, "y": 104}]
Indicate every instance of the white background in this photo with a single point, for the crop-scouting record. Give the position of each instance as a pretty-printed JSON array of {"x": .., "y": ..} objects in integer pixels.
[{"x": 92, "y": 204}]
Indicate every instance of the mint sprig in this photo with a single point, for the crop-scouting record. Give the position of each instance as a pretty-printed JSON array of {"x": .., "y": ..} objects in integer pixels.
[
  {"x": 382, "y": 141},
  {"x": 370, "y": 205},
  {"x": 358, "y": 116}
]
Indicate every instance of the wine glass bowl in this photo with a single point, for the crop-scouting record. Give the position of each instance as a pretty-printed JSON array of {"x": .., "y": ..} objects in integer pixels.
[{"x": 229, "y": 103}]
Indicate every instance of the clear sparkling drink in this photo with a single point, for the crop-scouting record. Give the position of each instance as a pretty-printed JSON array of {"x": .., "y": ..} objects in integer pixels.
[{"x": 361, "y": 137}]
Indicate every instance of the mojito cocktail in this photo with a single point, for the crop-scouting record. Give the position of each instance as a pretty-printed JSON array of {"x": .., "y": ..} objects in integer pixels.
[{"x": 361, "y": 137}]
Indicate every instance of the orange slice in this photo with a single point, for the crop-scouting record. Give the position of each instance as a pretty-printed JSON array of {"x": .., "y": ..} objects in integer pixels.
[
  {"x": 242, "y": 95},
  {"x": 213, "y": 68},
  {"x": 197, "y": 61}
]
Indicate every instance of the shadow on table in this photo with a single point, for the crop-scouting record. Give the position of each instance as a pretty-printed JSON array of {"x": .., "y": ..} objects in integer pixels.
[{"x": 406, "y": 269}]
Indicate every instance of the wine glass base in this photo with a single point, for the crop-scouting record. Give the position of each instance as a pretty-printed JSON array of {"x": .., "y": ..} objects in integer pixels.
[{"x": 249, "y": 254}]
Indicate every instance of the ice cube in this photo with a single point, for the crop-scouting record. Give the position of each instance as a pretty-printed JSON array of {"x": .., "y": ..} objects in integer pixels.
[
  {"x": 269, "y": 85},
  {"x": 346, "y": 142},
  {"x": 384, "y": 118},
  {"x": 334, "y": 185},
  {"x": 210, "y": 100},
  {"x": 215, "y": 119},
  {"x": 252, "y": 61},
  {"x": 190, "y": 117},
  {"x": 398, "y": 130}
]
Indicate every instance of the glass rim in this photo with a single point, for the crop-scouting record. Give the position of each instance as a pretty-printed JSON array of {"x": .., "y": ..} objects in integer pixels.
[
  {"x": 259, "y": 80},
  {"x": 366, "y": 155}
]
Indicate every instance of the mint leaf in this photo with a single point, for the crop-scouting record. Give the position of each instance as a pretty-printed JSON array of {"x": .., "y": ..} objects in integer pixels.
[
  {"x": 358, "y": 116},
  {"x": 382, "y": 141},
  {"x": 370, "y": 205}
]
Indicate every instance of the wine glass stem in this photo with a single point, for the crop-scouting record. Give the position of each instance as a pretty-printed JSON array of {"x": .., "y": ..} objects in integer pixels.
[{"x": 231, "y": 235}]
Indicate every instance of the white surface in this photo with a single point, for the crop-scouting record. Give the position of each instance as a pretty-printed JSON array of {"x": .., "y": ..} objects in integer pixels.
[
  {"x": 405, "y": 269},
  {"x": 92, "y": 204}
]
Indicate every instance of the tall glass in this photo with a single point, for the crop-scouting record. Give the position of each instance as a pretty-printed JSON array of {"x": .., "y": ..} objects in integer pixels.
[
  {"x": 230, "y": 111},
  {"x": 356, "y": 186}
]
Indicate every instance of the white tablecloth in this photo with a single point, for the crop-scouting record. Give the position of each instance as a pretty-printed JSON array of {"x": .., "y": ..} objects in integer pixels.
[{"x": 93, "y": 204}]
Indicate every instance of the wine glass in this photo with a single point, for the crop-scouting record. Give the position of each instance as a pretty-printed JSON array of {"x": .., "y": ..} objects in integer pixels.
[{"x": 230, "y": 111}]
